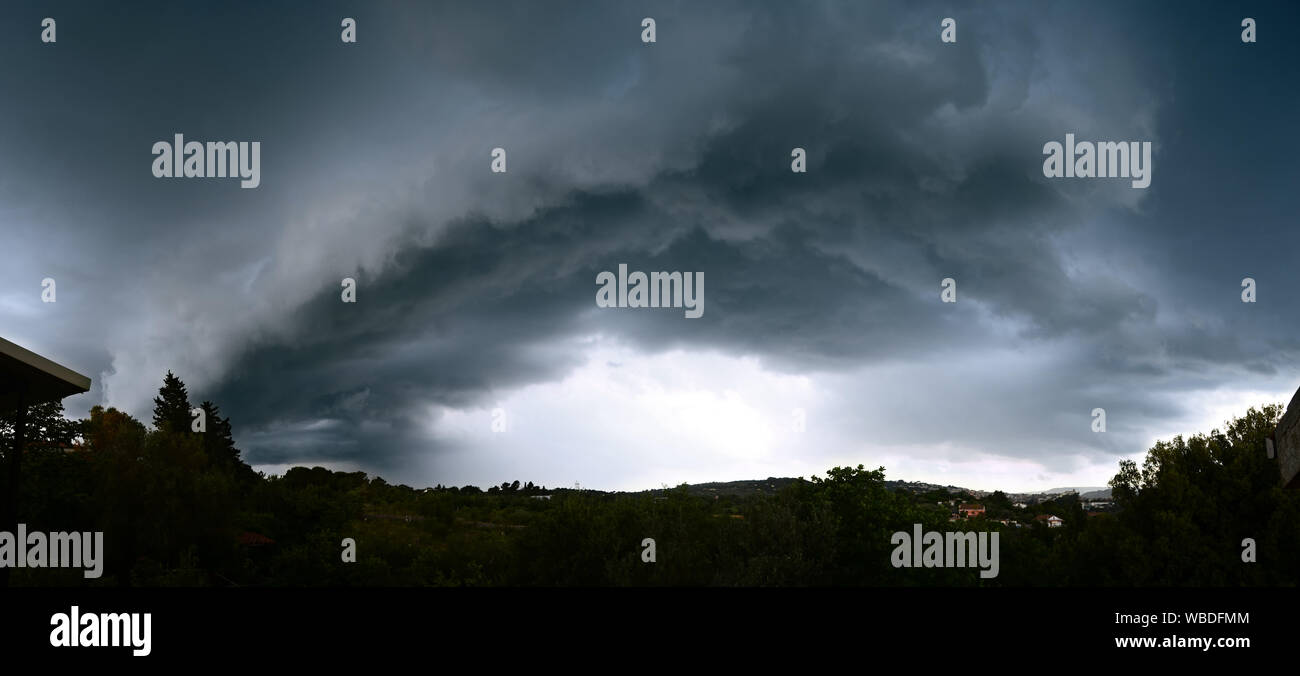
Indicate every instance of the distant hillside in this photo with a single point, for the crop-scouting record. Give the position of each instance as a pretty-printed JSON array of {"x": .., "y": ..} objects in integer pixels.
[
  {"x": 768, "y": 486},
  {"x": 773, "y": 485},
  {"x": 1081, "y": 490}
]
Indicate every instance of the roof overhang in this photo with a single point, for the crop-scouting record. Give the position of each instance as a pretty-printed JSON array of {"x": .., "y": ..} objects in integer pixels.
[
  {"x": 1285, "y": 444},
  {"x": 27, "y": 378}
]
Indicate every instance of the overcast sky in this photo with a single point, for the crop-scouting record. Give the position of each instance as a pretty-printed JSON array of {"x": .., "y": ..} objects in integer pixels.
[{"x": 476, "y": 290}]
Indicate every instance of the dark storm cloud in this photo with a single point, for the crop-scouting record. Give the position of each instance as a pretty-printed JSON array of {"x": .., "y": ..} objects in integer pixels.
[
  {"x": 480, "y": 301},
  {"x": 923, "y": 163},
  {"x": 773, "y": 246}
]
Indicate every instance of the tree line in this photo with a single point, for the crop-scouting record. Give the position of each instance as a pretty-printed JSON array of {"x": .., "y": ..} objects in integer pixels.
[{"x": 182, "y": 508}]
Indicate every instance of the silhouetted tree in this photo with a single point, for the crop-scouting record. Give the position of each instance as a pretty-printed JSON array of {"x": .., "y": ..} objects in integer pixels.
[
  {"x": 171, "y": 408},
  {"x": 219, "y": 444}
]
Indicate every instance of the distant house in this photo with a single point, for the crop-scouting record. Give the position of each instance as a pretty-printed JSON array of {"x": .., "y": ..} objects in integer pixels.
[
  {"x": 1021, "y": 505},
  {"x": 968, "y": 511},
  {"x": 251, "y": 539},
  {"x": 1052, "y": 520},
  {"x": 541, "y": 497}
]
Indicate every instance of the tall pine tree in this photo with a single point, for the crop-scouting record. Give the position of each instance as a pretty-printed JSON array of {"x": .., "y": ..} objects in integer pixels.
[{"x": 171, "y": 408}]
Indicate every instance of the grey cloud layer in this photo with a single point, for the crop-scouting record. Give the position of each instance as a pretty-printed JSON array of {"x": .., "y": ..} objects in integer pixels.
[{"x": 923, "y": 164}]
